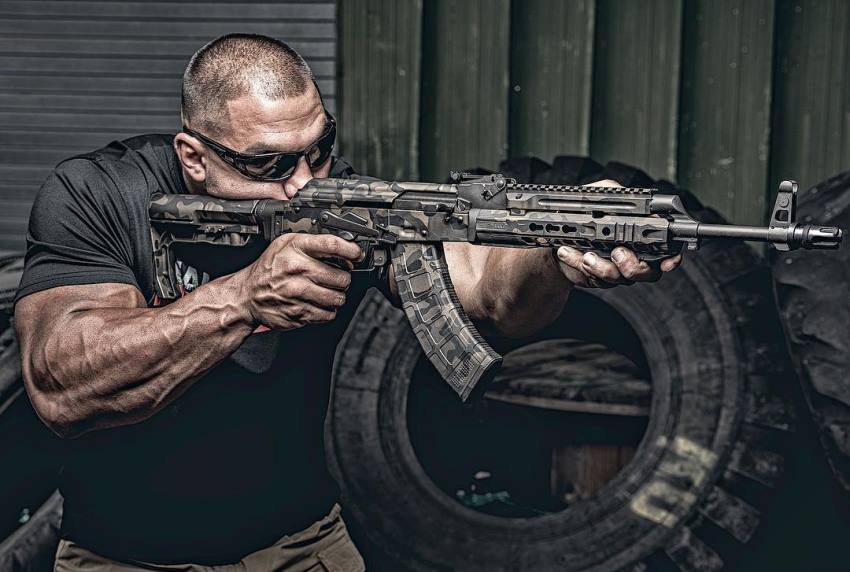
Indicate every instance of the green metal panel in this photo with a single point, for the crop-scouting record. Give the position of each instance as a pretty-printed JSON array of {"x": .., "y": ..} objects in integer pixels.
[
  {"x": 380, "y": 48},
  {"x": 464, "y": 85},
  {"x": 551, "y": 76},
  {"x": 636, "y": 84},
  {"x": 725, "y": 105},
  {"x": 681, "y": 88},
  {"x": 811, "y": 125}
]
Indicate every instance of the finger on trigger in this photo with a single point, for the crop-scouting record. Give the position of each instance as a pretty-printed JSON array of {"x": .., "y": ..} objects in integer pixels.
[{"x": 329, "y": 246}]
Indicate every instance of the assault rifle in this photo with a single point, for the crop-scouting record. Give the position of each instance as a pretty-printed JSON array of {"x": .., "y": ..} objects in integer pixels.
[{"x": 404, "y": 224}]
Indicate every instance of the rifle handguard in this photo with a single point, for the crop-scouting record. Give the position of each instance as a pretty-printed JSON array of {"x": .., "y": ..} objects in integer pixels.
[{"x": 447, "y": 336}]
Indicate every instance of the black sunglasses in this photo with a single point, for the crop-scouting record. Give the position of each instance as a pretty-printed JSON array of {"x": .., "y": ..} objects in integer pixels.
[{"x": 274, "y": 166}]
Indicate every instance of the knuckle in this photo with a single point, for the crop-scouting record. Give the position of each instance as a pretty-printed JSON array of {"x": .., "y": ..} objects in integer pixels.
[
  {"x": 332, "y": 300},
  {"x": 330, "y": 244},
  {"x": 283, "y": 264},
  {"x": 607, "y": 272},
  {"x": 296, "y": 289},
  {"x": 572, "y": 260},
  {"x": 320, "y": 315},
  {"x": 345, "y": 280},
  {"x": 298, "y": 264},
  {"x": 289, "y": 239},
  {"x": 630, "y": 271},
  {"x": 286, "y": 268},
  {"x": 296, "y": 313}
]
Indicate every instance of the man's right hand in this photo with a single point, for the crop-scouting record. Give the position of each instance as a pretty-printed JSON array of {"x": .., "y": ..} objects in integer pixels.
[{"x": 290, "y": 285}]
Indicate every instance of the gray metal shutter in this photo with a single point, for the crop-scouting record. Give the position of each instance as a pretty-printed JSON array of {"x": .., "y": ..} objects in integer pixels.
[{"x": 75, "y": 75}]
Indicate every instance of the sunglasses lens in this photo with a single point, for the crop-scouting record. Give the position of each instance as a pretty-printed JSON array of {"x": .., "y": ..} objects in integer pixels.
[
  {"x": 321, "y": 151},
  {"x": 275, "y": 167}
]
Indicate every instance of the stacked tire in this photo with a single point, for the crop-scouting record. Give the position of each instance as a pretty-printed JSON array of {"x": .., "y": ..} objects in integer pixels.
[
  {"x": 692, "y": 494},
  {"x": 813, "y": 295},
  {"x": 30, "y": 507}
]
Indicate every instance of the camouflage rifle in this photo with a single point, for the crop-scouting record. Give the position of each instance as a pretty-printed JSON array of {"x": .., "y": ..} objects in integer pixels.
[{"x": 404, "y": 224}]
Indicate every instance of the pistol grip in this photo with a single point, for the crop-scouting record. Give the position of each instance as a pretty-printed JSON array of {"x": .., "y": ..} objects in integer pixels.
[{"x": 444, "y": 331}]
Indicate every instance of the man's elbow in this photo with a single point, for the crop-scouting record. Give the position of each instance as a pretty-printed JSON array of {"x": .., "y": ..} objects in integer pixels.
[
  {"x": 517, "y": 327},
  {"x": 50, "y": 406},
  {"x": 54, "y": 415},
  {"x": 44, "y": 357},
  {"x": 510, "y": 319},
  {"x": 507, "y": 321}
]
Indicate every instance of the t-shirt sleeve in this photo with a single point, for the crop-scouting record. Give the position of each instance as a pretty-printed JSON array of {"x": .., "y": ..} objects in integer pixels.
[{"x": 78, "y": 231}]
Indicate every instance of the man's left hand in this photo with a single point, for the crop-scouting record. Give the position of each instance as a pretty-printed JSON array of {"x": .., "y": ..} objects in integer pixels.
[{"x": 589, "y": 270}]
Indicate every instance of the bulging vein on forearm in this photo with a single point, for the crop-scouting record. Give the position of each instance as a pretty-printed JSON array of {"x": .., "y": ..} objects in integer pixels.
[{"x": 113, "y": 366}]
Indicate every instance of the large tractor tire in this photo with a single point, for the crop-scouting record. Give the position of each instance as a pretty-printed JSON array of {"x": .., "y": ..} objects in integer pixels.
[
  {"x": 813, "y": 294},
  {"x": 693, "y": 490},
  {"x": 11, "y": 268},
  {"x": 32, "y": 547}
]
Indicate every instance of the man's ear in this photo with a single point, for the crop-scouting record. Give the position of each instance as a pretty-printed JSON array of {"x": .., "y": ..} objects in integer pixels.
[{"x": 193, "y": 157}]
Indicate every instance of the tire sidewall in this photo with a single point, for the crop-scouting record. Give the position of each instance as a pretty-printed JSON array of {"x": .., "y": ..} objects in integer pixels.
[{"x": 697, "y": 394}]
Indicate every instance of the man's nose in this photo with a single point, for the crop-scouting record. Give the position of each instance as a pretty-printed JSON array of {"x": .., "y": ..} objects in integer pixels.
[{"x": 302, "y": 175}]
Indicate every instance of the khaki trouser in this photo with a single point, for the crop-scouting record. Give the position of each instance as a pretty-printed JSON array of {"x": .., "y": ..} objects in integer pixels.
[{"x": 322, "y": 547}]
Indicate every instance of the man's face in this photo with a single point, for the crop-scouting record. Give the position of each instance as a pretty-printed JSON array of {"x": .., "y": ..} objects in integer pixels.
[{"x": 260, "y": 125}]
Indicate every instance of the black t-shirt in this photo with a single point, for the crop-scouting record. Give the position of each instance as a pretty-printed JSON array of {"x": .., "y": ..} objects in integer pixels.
[{"x": 238, "y": 460}]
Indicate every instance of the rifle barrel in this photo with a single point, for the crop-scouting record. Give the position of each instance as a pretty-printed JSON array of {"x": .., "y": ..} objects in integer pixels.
[
  {"x": 795, "y": 236},
  {"x": 761, "y": 233}
]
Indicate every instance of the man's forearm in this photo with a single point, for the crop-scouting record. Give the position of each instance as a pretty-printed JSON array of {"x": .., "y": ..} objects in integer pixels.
[{"x": 105, "y": 367}]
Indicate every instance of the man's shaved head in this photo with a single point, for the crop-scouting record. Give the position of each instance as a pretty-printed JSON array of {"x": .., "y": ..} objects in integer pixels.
[{"x": 236, "y": 65}]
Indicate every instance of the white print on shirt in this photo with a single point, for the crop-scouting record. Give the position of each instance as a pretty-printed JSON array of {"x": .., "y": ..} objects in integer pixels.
[{"x": 187, "y": 277}]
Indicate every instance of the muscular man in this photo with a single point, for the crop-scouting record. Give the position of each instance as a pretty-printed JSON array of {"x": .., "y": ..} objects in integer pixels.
[{"x": 192, "y": 440}]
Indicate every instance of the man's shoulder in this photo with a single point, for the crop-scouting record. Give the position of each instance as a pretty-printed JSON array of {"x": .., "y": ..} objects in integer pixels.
[
  {"x": 113, "y": 183},
  {"x": 88, "y": 223},
  {"x": 133, "y": 168},
  {"x": 142, "y": 151}
]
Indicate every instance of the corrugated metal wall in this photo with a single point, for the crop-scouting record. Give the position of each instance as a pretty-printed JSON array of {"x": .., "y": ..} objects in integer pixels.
[
  {"x": 75, "y": 75},
  {"x": 725, "y": 97}
]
